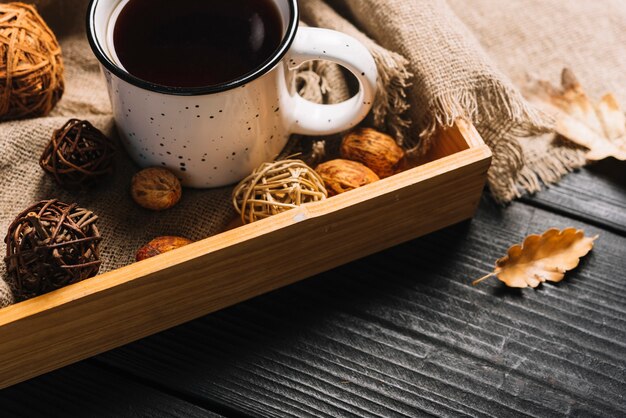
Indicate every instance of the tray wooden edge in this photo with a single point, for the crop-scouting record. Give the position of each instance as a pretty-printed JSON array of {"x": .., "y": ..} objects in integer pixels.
[
  {"x": 477, "y": 151},
  {"x": 23, "y": 326}
]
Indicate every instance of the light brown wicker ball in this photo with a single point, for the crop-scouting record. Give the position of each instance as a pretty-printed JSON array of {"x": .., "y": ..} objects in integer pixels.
[
  {"x": 31, "y": 67},
  {"x": 276, "y": 187}
]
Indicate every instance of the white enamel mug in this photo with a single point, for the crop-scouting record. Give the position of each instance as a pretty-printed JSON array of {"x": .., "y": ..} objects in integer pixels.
[{"x": 216, "y": 135}]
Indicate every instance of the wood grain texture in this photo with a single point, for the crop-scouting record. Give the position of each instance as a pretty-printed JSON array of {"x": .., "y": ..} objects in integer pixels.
[
  {"x": 115, "y": 308},
  {"x": 84, "y": 390},
  {"x": 596, "y": 194},
  {"x": 400, "y": 333},
  {"x": 403, "y": 333}
]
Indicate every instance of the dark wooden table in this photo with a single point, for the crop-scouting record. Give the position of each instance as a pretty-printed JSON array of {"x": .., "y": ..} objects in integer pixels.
[{"x": 400, "y": 333}]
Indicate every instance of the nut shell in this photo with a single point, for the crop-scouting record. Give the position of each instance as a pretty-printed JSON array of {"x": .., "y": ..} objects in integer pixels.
[
  {"x": 161, "y": 245},
  {"x": 376, "y": 150},
  {"x": 343, "y": 175},
  {"x": 156, "y": 188}
]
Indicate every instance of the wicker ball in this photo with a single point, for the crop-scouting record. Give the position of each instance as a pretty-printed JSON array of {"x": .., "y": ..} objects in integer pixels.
[
  {"x": 78, "y": 155},
  {"x": 31, "y": 67},
  {"x": 276, "y": 187},
  {"x": 50, "y": 245}
]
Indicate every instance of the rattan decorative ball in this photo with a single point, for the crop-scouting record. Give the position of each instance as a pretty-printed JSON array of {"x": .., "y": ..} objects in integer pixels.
[
  {"x": 50, "y": 245},
  {"x": 31, "y": 67},
  {"x": 276, "y": 187},
  {"x": 78, "y": 155}
]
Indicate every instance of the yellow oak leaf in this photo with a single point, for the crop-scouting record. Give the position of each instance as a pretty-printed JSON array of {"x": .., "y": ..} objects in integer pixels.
[
  {"x": 599, "y": 127},
  {"x": 541, "y": 258}
]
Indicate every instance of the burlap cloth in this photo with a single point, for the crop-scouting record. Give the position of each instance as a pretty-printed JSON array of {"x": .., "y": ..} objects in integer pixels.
[{"x": 450, "y": 59}]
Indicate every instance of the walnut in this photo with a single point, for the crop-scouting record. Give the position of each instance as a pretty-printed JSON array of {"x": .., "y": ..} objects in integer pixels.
[
  {"x": 156, "y": 188},
  {"x": 342, "y": 175},
  {"x": 377, "y": 151},
  {"x": 161, "y": 245}
]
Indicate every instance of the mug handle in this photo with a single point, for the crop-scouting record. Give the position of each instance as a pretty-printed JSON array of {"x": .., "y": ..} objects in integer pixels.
[{"x": 310, "y": 118}]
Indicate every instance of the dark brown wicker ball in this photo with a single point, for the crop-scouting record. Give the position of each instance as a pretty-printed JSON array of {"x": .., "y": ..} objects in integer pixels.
[
  {"x": 50, "y": 245},
  {"x": 78, "y": 155}
]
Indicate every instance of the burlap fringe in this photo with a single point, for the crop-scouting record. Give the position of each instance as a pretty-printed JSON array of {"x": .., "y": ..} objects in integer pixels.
[
  {"x": 321, "y": 82},
  {"x": 313, "y": 86},
  {"x": 545, "y": 170},
  {"x": 531, "y": 170},
  {"x": 483, "y": 105},
  {"x": 498, "y": 110},
  {"x": 494, "y": 109},
  {"x": 390, "y": 105},
  {"x": 318, "y": 152},
  {"x": 510, "y": 176}
]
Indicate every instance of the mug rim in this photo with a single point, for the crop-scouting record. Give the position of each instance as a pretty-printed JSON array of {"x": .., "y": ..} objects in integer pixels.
[{"x": 264, "y": 68}]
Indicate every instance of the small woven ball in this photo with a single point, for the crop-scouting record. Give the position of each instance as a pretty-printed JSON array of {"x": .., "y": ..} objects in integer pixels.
[
  {"x": 31, "y": 67},
  {"x": 50, "y": 245},
  {"x": 78, "y": 155},
  {"x": 277, "y": 187}
]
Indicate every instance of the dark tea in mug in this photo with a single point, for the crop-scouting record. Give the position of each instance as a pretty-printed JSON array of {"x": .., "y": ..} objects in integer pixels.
[{"x": 196, "y": 43}]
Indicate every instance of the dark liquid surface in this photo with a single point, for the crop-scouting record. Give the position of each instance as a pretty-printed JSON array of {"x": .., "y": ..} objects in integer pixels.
[{"x": 196, "y": 43}]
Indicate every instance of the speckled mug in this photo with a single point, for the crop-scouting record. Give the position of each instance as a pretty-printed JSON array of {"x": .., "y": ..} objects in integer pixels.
[{"x": 214, "y": 136}]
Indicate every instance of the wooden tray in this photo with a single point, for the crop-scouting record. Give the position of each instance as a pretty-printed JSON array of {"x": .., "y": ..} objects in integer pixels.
[{"x": 115, "y": 308}]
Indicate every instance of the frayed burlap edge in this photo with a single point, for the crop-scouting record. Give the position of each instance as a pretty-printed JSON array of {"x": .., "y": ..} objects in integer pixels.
[
  {"x": 498, "y": 110},
  {"x": 503, "y": 118},
  {"x": 512, "y": 174},
  {"x": 532, "y": 171},
  {"x": 486, "y": 104},
  {"x": 318, "y": 82},
  {"x": 546, "y": 169},
  {"x": 390, "y": 105},
  {"x": 494, "y": 109}
]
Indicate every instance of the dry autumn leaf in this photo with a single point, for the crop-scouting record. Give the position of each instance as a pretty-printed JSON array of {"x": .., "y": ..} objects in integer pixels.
[
  {"x": 541, "y": 258},
  {"x": 600, "y": 127}
]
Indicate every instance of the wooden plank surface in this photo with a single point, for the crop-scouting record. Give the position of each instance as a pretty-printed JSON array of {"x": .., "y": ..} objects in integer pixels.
[
  {"x": 84, "y": 390},
  {"x": 400, "y": 333},
  {"x": 596, "y": 193},
  {"x": 403, "y": 333}
]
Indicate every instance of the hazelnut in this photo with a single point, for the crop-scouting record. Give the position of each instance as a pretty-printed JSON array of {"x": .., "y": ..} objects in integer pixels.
[
  {"x": 156, "y": 188},
  {"x": 342, "y": 175},
  {"x": 377, "y": 151},
  {"x": 161, "y": 245}
]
